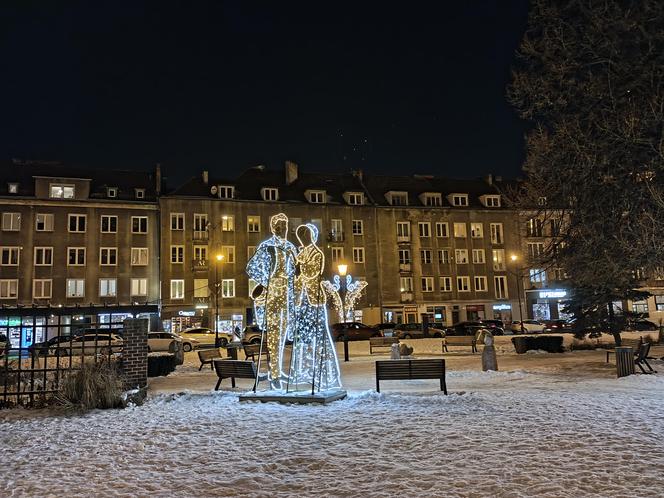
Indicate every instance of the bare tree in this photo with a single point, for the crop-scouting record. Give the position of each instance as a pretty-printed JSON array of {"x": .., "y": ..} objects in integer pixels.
[{"x": 589, "y": 75}]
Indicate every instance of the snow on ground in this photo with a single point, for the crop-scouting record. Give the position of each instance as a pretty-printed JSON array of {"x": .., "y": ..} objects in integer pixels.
[{"x": 527, "y": 432}]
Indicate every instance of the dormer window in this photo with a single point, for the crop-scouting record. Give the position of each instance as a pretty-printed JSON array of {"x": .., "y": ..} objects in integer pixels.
[
  {"x": 13, "y": 188},
  {"x": 270, "y": 194},
  {"x": 60, "y": 191},
  {"x": 226, "y": 191},
  {"x": 316, "y": 196},
  {"x": 397, "y": 198},
  {"x": 111, "y": 192},
  {"x": 459, "y": 200},
  {"x": 431, "y": 199},
  {"x": 492, "y": 201},
  {"x": 140, "y": 193},
  {"x": 354, "y": 198}
]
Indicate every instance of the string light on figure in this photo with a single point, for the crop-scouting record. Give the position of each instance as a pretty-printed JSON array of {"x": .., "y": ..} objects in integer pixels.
[{"x": 344, "y": 294}]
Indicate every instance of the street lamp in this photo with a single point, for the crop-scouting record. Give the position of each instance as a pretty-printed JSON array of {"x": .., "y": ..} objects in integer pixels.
[
  {"x": 342, "y": 269},
  {"x": 517, "y": 274},
  {"x": 220, "y": 258}
]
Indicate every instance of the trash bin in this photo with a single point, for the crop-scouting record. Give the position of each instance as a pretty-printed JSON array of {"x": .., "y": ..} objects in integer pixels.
[{"x": 624, "y": 361}]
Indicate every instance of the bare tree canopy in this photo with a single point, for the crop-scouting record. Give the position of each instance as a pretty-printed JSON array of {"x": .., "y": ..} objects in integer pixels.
[{"x": 589, "y": 76}]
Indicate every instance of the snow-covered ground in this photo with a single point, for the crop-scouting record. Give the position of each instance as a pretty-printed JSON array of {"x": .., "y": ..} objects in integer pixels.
[{"x": 532, "y": 431}]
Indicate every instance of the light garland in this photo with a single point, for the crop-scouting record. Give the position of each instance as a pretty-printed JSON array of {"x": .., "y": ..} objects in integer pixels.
[
  {"x": 290, "y": 307},
  {"x": 345, "y": 305}
]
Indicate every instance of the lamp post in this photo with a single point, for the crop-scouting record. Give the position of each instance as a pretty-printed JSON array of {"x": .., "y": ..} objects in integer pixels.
[
  {"x": 342, "y": 268},
  {"x": 219, "y": 258},
  {"x": 517, "y": 274}
]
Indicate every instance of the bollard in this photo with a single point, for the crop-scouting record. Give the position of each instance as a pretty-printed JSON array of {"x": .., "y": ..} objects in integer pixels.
[
  {"x": 624, "y": 361},
  {"x": 346, "y": 347}
]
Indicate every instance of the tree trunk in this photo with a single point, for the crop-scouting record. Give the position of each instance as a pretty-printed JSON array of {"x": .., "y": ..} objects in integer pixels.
[{"x": 612, "y": 326}]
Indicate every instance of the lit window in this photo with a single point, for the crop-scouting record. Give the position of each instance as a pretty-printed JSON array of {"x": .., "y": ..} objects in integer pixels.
[
  {"x": 177, "y": 289},
  {"x": 12, "y": 188},
  {"x": 227, "y": 223},
  {"x": 139, "y": 256},
  {"x": 498, "y": 256},
  {"x": 460, "y": 230},
  {"x": 406, "y": 284},
  {"x": 139, "y": 287},
  {"x": 476, "y": 230},
  {"x": 537, "y": 276},
  {"x": 228, "y": 288},
  {"x": 75, "y": 287},
  {"x": 59, "y": 191},
  {"x": 108, "y": 287},
  {"x": 461, "y": 256}
]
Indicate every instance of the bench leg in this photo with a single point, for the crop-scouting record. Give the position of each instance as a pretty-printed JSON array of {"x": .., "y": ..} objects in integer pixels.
[
  {"x": 607, "y": 356},
  {"x": 211, "y": 366},
  {"x": 377, "y": 385},
  {"x": 233, "y": 382},
  {"x": 648, "y": 365},
  {"x": 443, "y": 385},
  {"x": 216, "y": 388},
  {"x": 199, "y": 368}
]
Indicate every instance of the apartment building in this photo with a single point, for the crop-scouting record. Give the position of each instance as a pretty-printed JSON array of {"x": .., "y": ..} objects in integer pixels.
[
  {"x": 425, "y": 245},
  {"x": 77, "y": 237}
]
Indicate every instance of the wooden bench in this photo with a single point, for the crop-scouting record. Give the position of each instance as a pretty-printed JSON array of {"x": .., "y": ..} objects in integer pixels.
[
  {"x": 411, "y": 370},
  {"x": 242, "y": 369},
  {"x": 207, "y": 356},
  {"x": 641, "y": 358},
  {"x": 462, "y": 340},
  {"x": 253, "y": 350},
  {"x": 626, "y": 343},
  {"x": 382, "y": 342}
]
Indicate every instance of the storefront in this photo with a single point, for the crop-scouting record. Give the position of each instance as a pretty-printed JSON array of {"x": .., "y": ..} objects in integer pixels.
[
  {"x": 546, "y": 304},
  {"x": 475, "y": 312},
  {"x": 502, "y": 311}
]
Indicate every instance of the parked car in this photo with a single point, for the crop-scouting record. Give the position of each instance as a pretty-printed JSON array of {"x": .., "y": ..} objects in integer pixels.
[
  {"x": 89, "y": 344},
  {"x": 557, "y": 326},
  {"x": 527, "y": 327},
  {"x": 387, "y": 329},
  {"x": 643, "y": 325},
  {"x": 44, "y": 347},
  {"x": 356, "y": 331},
  {"x": 204, "y": 335},
  {"x": 497, "y": 327},
  {"x": 416, "y": 331},
  {"x": 161, "y": 341},
  {"x": 466, "y": 328},
  {"x": 252, "y": 334}
]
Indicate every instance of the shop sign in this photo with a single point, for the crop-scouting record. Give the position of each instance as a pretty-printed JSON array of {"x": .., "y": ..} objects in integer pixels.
[
  {"x": 552, "y": 294},
  {"x": 186, "y": 313},
  {"x": 502, "y": 307}
]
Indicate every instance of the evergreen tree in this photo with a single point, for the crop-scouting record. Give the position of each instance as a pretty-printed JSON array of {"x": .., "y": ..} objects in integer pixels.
[{"x": 589, "y": 76}]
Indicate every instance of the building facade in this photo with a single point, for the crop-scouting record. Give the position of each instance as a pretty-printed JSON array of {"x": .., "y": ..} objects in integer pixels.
[{"x": 73, "y": 237}]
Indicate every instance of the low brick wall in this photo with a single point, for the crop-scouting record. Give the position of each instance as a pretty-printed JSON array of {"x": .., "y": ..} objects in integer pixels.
[{"x": 134, "y": 368}]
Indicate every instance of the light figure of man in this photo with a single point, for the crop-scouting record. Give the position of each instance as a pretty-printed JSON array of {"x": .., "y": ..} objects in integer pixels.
[{"x": 273, "y": 267}]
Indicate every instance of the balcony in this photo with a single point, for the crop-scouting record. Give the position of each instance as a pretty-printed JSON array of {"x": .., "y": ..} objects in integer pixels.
[
  {"x": 201, "y": 235},
  {"x": 403, "y": 239},
  {"x": 199, "y": 265},
  {"x": 405, "y": 267},
  {"x": 406, "y": 297},
  {"x": 334, "y": 236}
]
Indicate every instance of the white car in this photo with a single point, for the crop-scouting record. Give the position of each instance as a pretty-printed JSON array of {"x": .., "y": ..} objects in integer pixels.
[
  {"x": 90, "y": 343},
  {"x": 528, "y": 327},
  {"x": 205, "y": 336},
  {"x": 161, "y": 341}
]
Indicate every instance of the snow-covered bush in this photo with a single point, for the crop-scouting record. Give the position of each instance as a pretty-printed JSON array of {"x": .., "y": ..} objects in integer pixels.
[{"x": 94, "y": 385}]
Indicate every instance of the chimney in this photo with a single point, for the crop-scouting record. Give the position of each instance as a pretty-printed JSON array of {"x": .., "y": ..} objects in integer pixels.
[
  {"x": 291, "y": 172},
  {"x": 157, "y": 178},
  {"x": 489, "y": 179},
  {"x": 206, "y": 177}
]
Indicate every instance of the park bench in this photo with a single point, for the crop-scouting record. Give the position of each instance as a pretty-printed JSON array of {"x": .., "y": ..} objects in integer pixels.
[
  {"x": 626, "y": 343},
  {"x": 207, "y": 356},
  {"x": 253, "y": 350},
  {"x": 641, "y": 358},
  {"x": 411, "y": 370},
  {"x": 463, "y": 340},
  {"x": 241, "y": 369},
  {"x": 382, "y": 343}
]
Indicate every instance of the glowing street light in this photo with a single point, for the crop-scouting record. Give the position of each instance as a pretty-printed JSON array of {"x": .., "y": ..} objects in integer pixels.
[
  {"x": 220, "y": 258},
  {"x": 342, "y": 268}
]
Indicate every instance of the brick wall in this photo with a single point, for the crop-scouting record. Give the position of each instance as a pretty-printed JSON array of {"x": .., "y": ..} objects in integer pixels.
[{"x": 135, "y": 354}]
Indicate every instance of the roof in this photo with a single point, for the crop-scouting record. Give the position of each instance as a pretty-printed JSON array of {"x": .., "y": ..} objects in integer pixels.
[{"x": 24, "y": 173}]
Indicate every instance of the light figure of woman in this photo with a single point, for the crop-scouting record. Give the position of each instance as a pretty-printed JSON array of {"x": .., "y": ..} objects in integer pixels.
[{"x": 314, "y": 358}]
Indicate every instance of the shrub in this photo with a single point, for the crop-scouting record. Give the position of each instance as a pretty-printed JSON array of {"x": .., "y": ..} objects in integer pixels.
[
  {"x": 588, "y": 345},
  {"x": 549, "y": 343},
  {"x": 94, "y": 385}
]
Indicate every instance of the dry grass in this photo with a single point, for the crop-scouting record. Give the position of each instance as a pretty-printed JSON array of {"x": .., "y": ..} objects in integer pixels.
[
  {"x": 94, "y": 385},
  {"x": 588, "y": 345}
]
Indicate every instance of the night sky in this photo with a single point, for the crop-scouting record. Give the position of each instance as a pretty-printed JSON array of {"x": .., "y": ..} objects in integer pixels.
[{"x": 228, "y": 85}]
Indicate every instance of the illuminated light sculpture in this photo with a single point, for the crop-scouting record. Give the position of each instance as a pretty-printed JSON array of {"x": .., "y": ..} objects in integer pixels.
[
  {"x": 273, "y": 267},
  {"x": 290, "y": 307},
  {"x": 344, "y": 305}
]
